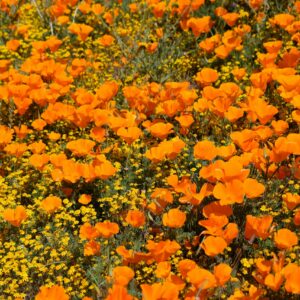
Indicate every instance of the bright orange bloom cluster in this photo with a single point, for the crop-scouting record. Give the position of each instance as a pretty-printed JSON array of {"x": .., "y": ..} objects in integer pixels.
[{"x": 149, "y": 149}]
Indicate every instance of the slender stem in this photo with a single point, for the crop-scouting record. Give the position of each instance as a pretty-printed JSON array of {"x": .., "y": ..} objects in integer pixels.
[{"x": 38, "y": 10}]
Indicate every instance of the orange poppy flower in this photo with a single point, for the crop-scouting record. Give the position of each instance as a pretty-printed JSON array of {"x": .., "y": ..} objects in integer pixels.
[
  {"x": 185, "y": 121},
  {"x": 151, "y": 47},
  {"x": 16, "y": 149},
  {"x": 258, "y": 227},
  {"x": 209, "y": 44},
  {"x": 91, "y": 248},
  {"x": 6, "y": 135},
  {"x": 217, "y": 209},
  {"x": 15, "y": 216},
  {"x": 206, "y": 76},
  {"x": 166, "y": 149},
  {"x": 273, "y": 46},
  {"x": 4, "y": 64},
  {"x": 37, "y": 147},
  {"x": 255, "y": 4},
  {"x": 285, "y": 239},
  {"x": 38, "y": 124},
  {"x": 201, "y": 278},
  {"x": 135, "y": 218},
  {"x": 57, "y": 175},
  {"x": 122, "y": 275},
  {"x": 293, "y": 140},
  {"x": 84, "y": 7},
  {"x": 174, "y": 146},
  {"x": 118, "y": 292},
  {"x": 39, "y": 160},
  {"x": 22, "y": 131},
  {"x": 231, "y": 89},
  {"x": 81, "y": 147},
  {"x": 254, "y": 293},
  {"x": 174, "y": 218},
  {"x": 263, "y": 266},
  {"x": 78, "y": 67},
  {"x": 213, "y": 245},
  {"x": 179, "y": 186},
  {"x": 54, "y": 136},
  {"x": 161, "y": 197},
  {"x": 130, "y": 256},
  {"x": 291, "y": 273},
  {"x": 232, "y": 169},
  {"x": 226, "y": 152},
  {"x": 107, "y": 229},
  {"x": 222, "y": 273},
  {"x": 106, "y": 40},
  {"x": 129, "y": 134},
  {"x": 186, "y": 265},
  {"x": 205, "y": 150},
  {"x": 53, "y": 43},
  {"x": 88, "y": 232},
  {"x": 253, "y": 188},
  {"x": 158, "y": 9},
  {"x": 230, "y": 192},
  {"x": 211, "y": 93},
  {"x": 157, "y": 291},
  {"x": 246, "y": 139},
  {"x": 200, "y": 25},
  {"x": 230, "y": 232},
  {"x": 281, "y": 150},
  {"x": 262, "y": 111},
  {"x": 180, "y": 284},
  {"x": 296, "y": 115},
  {"x": 238, "y": 73},
  {"x": 81, "y": 95},
  {"x": 274, "y": 281},
  {"x": 163, "y": 269},
  {"x": 101, "y": 117},
  {"x": 39, "y": 46},
  {"x": 220, "y": 11},
  {"x": 282, "y": 20},
  {"x": 234, "y": 113},
  {"x": 296, "y": 101},
  {"x": 264, "y": 132},
  {"x": 97, "y": 8},
  {"x": 214, "y": 224},
  {"x": 232, "y": 40},
  {"x": 13, "y": 45},
  {"x": 98, "y": 134},
  {"x": 291, "y": 200},
  {"x": 51, "y": 204},
  {"x": 58, "y": 159},
  {"x": 85, "y": 199},
  {"x": 63, "y": 20},
  {"x": 107, "y": 91},
  {"x": 222, "y": 51},
  {"x": 162, "y": 250},
  {"x": 160, "y": 130},
  {"x": 191, "y": 196},
  {"x": 133, "y": 7},
  {"x": 296, "y": 218},
  {"x": 104, "y": 169},
  {"x": 22, "y": 104},
  {"x": 82, "y": 30},
  {"x": 54, "y": 292},
  {"x": 162, "y": 194},
  {"x": 290, "y": 58},
  {"x": 230, "y": 18}
]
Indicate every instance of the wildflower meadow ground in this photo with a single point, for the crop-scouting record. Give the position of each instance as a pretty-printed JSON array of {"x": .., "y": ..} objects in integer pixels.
[{"x": 149, "y": 149}]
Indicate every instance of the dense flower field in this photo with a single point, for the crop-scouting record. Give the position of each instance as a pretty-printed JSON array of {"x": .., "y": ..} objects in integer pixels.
[{"x": 149, "y": 149}]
